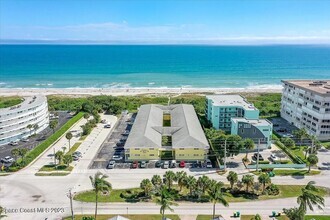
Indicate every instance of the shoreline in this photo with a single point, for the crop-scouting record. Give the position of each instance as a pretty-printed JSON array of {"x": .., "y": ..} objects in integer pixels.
[{"x": 130, "y": 91}]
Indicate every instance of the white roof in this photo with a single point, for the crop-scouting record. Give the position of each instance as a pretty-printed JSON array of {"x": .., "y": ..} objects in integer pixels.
[
  {"x": 258, "y": 122},
  {"x": 231, "y": 100},
  {"x": 185, "y": 129}
]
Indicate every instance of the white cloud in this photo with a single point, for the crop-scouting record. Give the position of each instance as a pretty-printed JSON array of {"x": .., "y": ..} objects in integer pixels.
[{"x": 171, "y": 33}]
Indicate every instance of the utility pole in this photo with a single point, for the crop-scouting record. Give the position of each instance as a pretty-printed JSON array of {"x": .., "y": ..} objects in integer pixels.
[
  {"x": 71, "y": 205},
  {"x": 257, "y": 166},
  {"x": 225, "y": 156}
]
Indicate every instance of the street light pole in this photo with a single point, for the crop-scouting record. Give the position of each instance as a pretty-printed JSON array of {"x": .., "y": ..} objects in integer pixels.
[{"x": 70, "y": 195}]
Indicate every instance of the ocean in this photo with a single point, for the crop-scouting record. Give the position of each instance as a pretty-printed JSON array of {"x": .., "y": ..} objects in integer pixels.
[{"x": 108, "y": 66}]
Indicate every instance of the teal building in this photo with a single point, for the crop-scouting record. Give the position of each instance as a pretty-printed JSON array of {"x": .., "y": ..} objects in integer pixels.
[{"x": 235, "y": 115}]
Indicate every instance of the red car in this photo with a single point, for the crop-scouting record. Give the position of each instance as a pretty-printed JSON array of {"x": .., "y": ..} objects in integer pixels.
[
  {"x": 182, "y": 164},
  {"x": 135, "y": 164}
]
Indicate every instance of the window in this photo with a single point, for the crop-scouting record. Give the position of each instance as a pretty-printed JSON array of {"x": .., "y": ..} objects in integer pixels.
[
  {"x": 196, "y": 148},
  {"x": 151, "y": 155},
  {"x": 196, "y": 155},
  {"x": 136, "y": 148},
  {"x": 137, "y": 155}
]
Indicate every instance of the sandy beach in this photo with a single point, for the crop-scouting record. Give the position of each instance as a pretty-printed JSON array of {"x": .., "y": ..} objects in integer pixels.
[{"x": 130, "y": 91}]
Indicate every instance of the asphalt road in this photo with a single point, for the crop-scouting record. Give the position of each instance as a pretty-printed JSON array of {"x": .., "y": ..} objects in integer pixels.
[{"x": 5, "y": 150}]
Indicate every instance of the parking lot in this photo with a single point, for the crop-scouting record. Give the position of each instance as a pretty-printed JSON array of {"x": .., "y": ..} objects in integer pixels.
[
  {"x": 5, "y": 150},
  {"x": 114, "y": 144},
  {"x": 283, "y": 127}
]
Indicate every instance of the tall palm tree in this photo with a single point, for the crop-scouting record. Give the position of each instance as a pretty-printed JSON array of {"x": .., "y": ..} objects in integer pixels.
[
  {"x": 35, "y": 128},
  {"x": 181, "y": 178},
  {"x": 312, "y": 161},
  {"x": 169, "y": 178},
  {"x": 190, "y": 183},
  {"x": 67, "y": 159},
  {"x": 216, "y": 195},
  {"x": 100, "y": 184},
  {"x": 69, "y": 136},
  {"x": 232, "y": 178},
  {"x": 22, "y": 153},
  {"x": 309, "y": 198},
  {"x": 264, "y": 179},
  {"x": 29, "y": 126},
  {"x": 15, "y": 153},
  {"x": 59, "y": 156},
  {"x": 203, "y": 182},
  {"x": 248, "y": 180},
  {"x": 156, "y": 180},
  {"x": 301, "y": 134},
  {"x": 53, "y": 124},
  {"x": 165, "y": 200},
  {"x": 146, "y": 186},
  {"x": 248, "y": 145}
]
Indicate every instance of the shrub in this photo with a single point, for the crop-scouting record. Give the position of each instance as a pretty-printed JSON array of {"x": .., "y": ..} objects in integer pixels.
[
  {"x": 293, "y": 157},
  {"x": 272, "y": 189}
]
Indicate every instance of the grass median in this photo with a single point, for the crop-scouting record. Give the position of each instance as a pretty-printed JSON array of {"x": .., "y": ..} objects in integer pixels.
[{"x": 136, "y": 195}]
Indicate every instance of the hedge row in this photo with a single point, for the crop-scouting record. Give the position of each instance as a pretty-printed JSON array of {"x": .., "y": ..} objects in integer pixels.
[
  {"x": 293, "y": 157},
  {"x": 35, "y": 152}
]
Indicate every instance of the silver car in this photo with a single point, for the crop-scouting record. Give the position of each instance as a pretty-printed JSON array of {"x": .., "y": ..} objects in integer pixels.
[{"x": 111, "y": 164}]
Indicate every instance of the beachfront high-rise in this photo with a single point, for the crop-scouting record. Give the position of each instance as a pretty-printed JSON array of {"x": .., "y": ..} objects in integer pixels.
[
  {"x": 306, "y": 104},
  {"x": 14, "y": 120},
  {"x": 235, "y": 115}
]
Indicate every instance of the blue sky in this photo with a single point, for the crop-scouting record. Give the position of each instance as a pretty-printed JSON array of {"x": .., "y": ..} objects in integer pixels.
[{"x": 133, "y": 21}]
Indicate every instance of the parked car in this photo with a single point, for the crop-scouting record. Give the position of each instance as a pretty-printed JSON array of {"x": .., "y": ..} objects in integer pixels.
[
  {"x": 117, "y": 157},
  {"x": 25, "y": 139},
  {"x": 75, "y": 158},
  {"x": 255, "y": 157},
  {"x": 158, "y": 164},
  {"x": 182, "y": 164},
  {"x": 166, "y": 164},
  {"x": 103, "y": 121},
  {"x": 107, "y": 126},
  {"x": 14, "y": 143},
  {"x": 7, "y": 159},
  {"x": 287, "y": 135},
  {"x": 111, "y": 164},
  {"x": 208, "y": 163},
  {"x": 273, "y": 157},
  {"x": 143, "y": 164},
  {"x": 77, "y": 153},
  {"x": 172, "y": 164},
  {"x": 135, "y": 165}
]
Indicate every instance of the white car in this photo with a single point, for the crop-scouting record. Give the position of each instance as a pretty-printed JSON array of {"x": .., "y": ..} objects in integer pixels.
[
  {"x": 143, "y": 164},
  {"x": 287, "y": 135},
  {"x": 14, "y": 143},
  {"x": 117, "y": 157},
  {"x": 166, "y": 164},
  {"x": 111, "y": 164},
  {"x": 25, "y": 140},
  {"x": 208, "y": 164},
  {"x": 7, "y": 159},
  {"x": 273, "y": 157}
]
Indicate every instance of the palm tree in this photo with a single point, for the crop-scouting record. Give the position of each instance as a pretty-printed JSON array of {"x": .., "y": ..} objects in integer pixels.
[
  {"x": 53, "y": 124},
  {"x": 165, "y": 200},
  {"x": 30, "y": 126},
  {"x": 312, "y": 161},
  {"x": 169, "y": 178},
  {"x": 216, "y": 195},
  {"x": 15, "y": 153},
  {"x": 146, "y": 185},
  {"x": 22, "y": 153},
  {"x": 309, "y": 197},
  {"x": 264, "y": 179},
  {"x": 156, "y": 180},
  {"x": 248, "y": 180},
  {"x": 181, "y": 178},
  {"x": 86, "y": 115},
  {"x": 294, "y": 213},
  {"x": 35, "y": 128},
  {"x": 232, "y": 178},
  {"x": 67, "y": 159},
  {"x": 190, "y": 184},
  {"x": 301, "y": 134},
  {"x": 248, "y": 145},
  {"x": 59, "y": 156},
  {"x": 69, "y": 136},
  {"x": 100, "y": 184},
  {"x": 1, "y": 211},
  {"x": 256, "y": 217},
  {"x": 203, "y": 182}
]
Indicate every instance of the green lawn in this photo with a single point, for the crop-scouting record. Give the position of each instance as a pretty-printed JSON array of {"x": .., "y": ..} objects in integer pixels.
[
  {"x": 132, "y": 217},
  {"x": 299, "y": 152},
  {"x": 205, "y": 217},
  {"x": 56, "y": 168},
  {"x": 73, "y": 148},
  {"x": 317, "y": 217},
  {"x": 6, "y": 102},
  {"x": 296, "y": 172},
  {"x": 82, "y": 138},
  {"x": 136, "y": 195}
]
